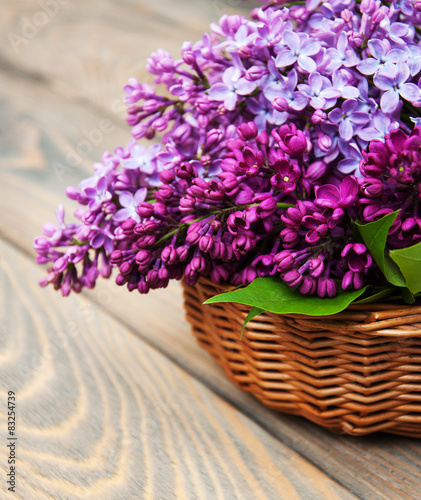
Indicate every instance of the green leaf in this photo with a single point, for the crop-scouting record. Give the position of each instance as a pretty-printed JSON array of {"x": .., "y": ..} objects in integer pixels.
[
  {"x": 254, "y": 311},
  {"x": 393, "y": 273},
  {"x": 377, "y": 296},
  {"x": 409, "y": 262},
  {"x": 374, "y": 235},
  {"x": 272, "y": 294},
  {"x": 408, "y": 296}
]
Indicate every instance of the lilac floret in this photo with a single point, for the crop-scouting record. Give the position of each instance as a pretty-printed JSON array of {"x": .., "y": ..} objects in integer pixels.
[
  {"x": 382, "y": 53},
  {"x": 298, "y": 48},
  {"x": 392, "y": 79},
  {"x": 233, "y": 85},
  {"x": 349, "y": 118}
]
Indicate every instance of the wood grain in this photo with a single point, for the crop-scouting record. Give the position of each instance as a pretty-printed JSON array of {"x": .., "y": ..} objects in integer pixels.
[
  {"x": 35, "y": 192},
  {"x": 63, "y": 82},
  {"x": 86, "y": 51},
  {"x": 103, "y": 415}
]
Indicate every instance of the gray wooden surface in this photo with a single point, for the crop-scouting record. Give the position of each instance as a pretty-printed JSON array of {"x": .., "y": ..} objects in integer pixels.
[{"x": 115, "y": 400}]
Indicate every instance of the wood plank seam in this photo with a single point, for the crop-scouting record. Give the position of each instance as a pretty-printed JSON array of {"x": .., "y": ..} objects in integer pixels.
[{"x": 212, "y": 387}]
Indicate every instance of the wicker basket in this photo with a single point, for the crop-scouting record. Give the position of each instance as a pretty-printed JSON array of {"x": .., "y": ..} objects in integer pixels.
[{"x": 356, "y": 372}]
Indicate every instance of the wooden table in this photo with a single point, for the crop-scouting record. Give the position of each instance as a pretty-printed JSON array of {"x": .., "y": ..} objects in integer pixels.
[{"x": 114, "y": 398}]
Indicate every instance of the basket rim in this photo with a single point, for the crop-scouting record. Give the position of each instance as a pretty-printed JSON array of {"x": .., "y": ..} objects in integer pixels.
[{"x": 377, "y": 319}]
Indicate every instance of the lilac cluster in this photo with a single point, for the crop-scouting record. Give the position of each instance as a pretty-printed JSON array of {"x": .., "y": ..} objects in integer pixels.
[
  {"x": 276, "y": 134},
  {"x": 391, "y": 179}
]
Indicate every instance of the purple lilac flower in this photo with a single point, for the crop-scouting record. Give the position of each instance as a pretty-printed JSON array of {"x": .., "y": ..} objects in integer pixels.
[
  {"x": 342, "y": 55},
  {"x": 414, "y": 59},
  {"x": 101, "y": 170},
  {"x": 333, "y": 197},
  {"x": 130, "y": 202},
  {"x": 56, "y": 231},
  {"x": 380, "y": 125},
  {"x": 142, "y": 159},
  {"x": 382, "y": 53},
  {"x": 265, "y": 113},
  {"x": 384, "y": 165},
  {"x": 320, "y": 91},
  {"x": 241, "y": 42},
  {"x": 273, "y": 83},
  {"x": 288, "y": 91},
  {"x": 98, "y": 194},
  {"x": 392, "y": 79},
  {"x": 351, "y": 163},
  {"x": 358, "y": 261},
  {"x": 286, "y": 176},
  {"x": 258, "y": 115},
  {"x": 271, "y": 28},
  {"x": 398, "y": 32},
  {"x": 341, "y": 81},
  {"x": 348, "y": 118},
  {"x": 102, "y": 237},
  {"x": 233, "y": 84},
  {"x": 298, "y": 47}
]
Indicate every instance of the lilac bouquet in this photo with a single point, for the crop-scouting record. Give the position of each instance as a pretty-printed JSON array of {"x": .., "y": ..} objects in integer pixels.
[{"x": 287, "y": 164}]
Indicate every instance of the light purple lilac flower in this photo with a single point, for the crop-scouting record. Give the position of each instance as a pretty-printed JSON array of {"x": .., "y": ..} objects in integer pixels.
[
  {"x": 351, "y": 163},
  {"x": 233, "y": 84},
  {"x": 414, "y": 59},
  {"x": 382, "y": 53},
  {"x": 98, "y": 194},
  {"x": 341, "y": 81},
  {"x": 398, "y": 32},
  {"x": 320, "y": 91},
  {"x": 265, "y": 113},
  {"x": 298, "y": 47},
  {"x": 129, "y": 202},
  {"x": 392, "y": 79},
  {"x": 380, "y": 125},
  {"x": 287, "y": 89},
  {"x": 142, "y": 158},
  {"x": 349, "y": 118},
  {"x": 241, "y": 42},
  {"x": 342, "y": 55}
]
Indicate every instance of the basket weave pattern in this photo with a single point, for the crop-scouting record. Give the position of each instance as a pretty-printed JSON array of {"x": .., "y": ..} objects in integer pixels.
[{"x": 356, "y": 372}]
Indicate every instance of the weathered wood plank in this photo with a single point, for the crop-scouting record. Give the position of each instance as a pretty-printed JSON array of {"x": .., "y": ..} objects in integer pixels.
[
  {"x": 376, "y": 467},
  {"x": 86, "y": 51},
  {"x": 103, "y": 415}
]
